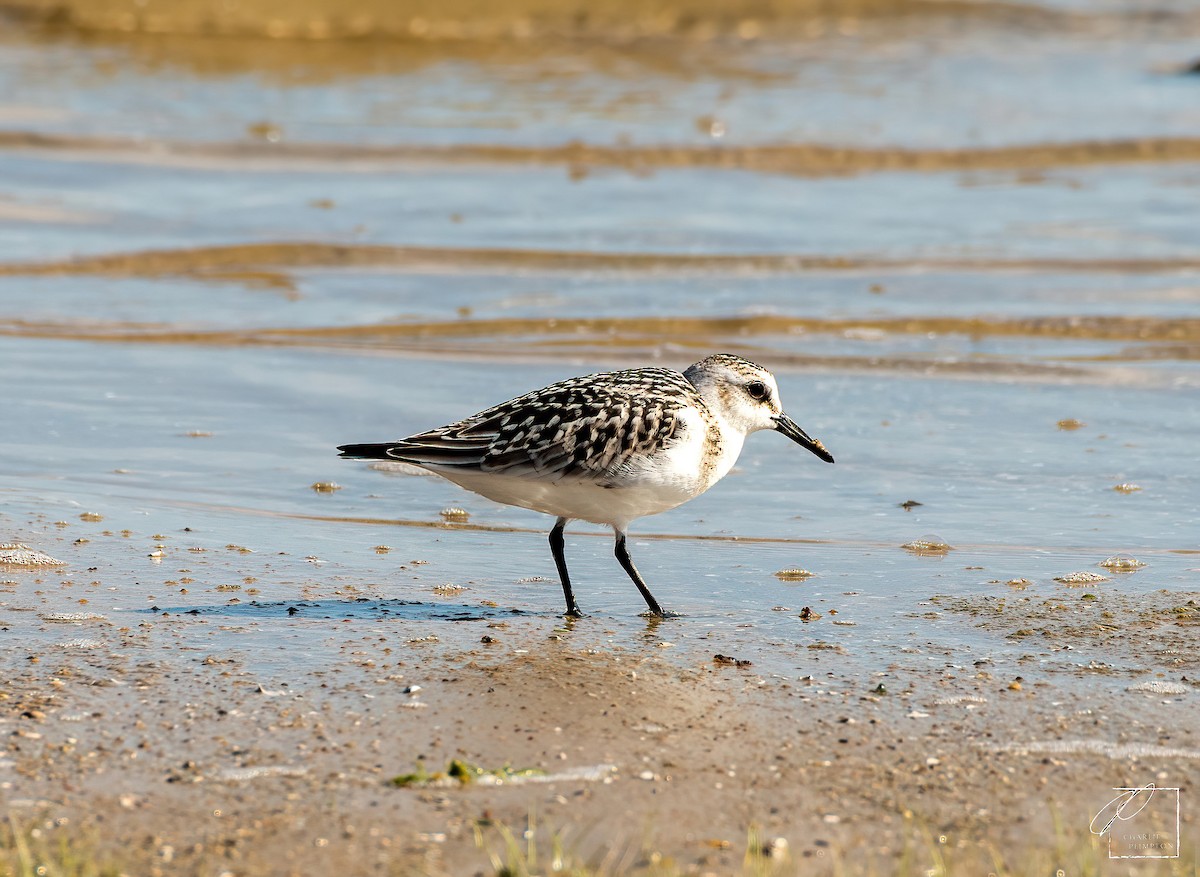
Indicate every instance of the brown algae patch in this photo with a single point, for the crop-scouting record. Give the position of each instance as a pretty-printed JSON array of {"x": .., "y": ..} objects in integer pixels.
[
  {"x": 793, "y": 575},
  {"x": 1127, "y": 487},
  {"x": 17, "y": 556},
  {"x": 1070, "y": 424},
  {"x": 1079, "y": 579},
  {"x": 928, "y": 545},
  {"x": 431, "y": 28},
  {"x": 239, "y": 261}
]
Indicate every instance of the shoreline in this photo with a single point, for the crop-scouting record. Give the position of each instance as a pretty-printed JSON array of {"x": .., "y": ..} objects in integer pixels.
[{"x": 191, "y": 765}]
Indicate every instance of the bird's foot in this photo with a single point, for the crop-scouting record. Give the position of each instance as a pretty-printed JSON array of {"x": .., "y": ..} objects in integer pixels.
[
  {"x": 661, "y": 615},
  {"x": 573, "y": 612}
]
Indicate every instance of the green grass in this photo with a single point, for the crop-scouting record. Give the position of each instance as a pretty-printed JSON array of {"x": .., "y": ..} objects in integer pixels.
[
  {"x": 47, "y": 849},
  {"x": 537, "y": 851},
  {"x": 461, "y": 773}
]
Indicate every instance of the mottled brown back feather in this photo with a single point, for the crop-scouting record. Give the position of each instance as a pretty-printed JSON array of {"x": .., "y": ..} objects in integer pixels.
[{"x": 579, "y": 428}]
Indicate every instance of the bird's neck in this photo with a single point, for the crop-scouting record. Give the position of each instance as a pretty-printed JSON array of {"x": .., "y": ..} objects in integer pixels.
[{"x": 726, "y": 453}]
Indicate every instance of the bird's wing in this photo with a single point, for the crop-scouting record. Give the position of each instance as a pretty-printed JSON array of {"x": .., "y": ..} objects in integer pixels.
[{"x": 583, "y": 428}]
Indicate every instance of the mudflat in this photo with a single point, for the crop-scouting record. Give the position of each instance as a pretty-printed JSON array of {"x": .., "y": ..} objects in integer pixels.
[{"x": 398, "y": 753}]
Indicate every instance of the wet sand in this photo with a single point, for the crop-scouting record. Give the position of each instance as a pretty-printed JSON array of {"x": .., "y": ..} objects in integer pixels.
[
  {"x": 173, "y": 759},
  {"x": 798, "y": 159}
]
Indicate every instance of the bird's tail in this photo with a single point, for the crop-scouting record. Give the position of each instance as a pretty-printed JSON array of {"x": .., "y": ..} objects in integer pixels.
[{"x": 368, "y": 451}]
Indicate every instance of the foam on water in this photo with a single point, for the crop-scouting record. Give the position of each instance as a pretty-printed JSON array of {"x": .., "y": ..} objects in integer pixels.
[{"x": 1095, "y": 747}]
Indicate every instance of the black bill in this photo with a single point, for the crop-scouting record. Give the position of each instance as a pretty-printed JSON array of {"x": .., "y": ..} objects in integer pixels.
[{"x": 792, "y": 430}]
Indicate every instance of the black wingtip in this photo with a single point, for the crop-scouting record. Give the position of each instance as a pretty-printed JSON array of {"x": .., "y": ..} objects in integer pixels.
[{"x": 365, "y": 452}]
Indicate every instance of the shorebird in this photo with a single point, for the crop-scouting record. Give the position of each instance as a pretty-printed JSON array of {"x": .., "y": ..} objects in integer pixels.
[{"x": 607, "y": 448}]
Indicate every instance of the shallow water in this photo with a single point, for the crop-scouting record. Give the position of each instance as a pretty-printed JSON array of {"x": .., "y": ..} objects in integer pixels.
[{"x": 932, "y": 327}]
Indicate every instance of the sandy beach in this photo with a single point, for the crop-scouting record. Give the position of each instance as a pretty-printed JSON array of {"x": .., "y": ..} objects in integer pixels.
[{"x": 160, "y": 756}]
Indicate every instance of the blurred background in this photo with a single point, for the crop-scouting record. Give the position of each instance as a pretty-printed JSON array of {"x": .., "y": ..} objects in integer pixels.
[{"x": 964, "y": 233}]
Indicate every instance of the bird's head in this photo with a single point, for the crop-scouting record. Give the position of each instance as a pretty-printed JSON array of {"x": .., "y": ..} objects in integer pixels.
[{"x": 745, "y": 396}]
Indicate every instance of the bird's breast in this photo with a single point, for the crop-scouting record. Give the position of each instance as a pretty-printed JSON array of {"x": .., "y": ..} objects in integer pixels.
[{"x": 699, "y": 455}]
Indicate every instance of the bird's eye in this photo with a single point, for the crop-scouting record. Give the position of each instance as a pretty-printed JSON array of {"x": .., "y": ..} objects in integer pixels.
[{"x": 757, "y": 390}]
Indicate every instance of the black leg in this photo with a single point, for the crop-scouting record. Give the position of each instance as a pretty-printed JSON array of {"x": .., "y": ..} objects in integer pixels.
[
  {"x": 560, "y": 560},
  {"x": 623, "y": 558}
]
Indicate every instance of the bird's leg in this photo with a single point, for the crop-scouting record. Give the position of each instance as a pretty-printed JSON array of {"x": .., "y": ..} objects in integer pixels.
[
  {"x": 560, "y": 560},
  {"x": 622, "y": 554}
]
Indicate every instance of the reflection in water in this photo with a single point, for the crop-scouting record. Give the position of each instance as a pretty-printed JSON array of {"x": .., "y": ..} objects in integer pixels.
[{"x": 362, "y": 608}]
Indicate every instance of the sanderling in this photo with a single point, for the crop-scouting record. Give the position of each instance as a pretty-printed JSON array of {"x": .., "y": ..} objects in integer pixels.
[{"x": 606, "y": 448}]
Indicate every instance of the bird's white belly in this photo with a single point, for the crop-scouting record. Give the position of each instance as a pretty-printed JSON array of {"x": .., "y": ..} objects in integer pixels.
[
  {"x": 646, "y": 486},
  {"x": 581, "y": 500}
]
